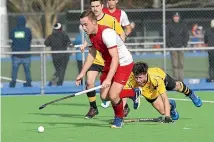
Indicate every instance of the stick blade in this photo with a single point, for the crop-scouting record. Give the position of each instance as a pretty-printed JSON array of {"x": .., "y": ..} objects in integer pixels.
[{"x": 42, "y": 106}]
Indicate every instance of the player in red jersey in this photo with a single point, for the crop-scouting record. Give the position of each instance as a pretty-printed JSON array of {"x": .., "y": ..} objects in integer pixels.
[
  {"x": 119, "y": 14},
  {"x": 122, "y": 18},
  {"x": 118, "y": 62}
]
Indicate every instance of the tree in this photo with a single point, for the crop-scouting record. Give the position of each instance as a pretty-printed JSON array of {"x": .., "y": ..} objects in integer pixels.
[{"x": 40, "y": 14}]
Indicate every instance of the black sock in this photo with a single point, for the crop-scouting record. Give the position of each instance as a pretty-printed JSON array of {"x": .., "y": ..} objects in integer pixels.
[
  {"x": 184, "y": 89},
  {"x": 92, "y": 99}
]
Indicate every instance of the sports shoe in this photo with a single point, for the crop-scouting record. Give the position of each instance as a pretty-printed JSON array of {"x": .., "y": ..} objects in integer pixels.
[
  {"x": 195, "y": 99},
  {"x": 117, "y": 123},
  {"x": 105, "y": 104},
  {"x": 126, "y": 111},
  {"x": 136, "y": 98},
  {"x": 91, "y": 113},
  {"x": 173, "y": 112}
]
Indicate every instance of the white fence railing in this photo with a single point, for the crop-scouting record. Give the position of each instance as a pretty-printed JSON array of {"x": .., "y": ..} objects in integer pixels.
[{"x": 43, "y": 54}]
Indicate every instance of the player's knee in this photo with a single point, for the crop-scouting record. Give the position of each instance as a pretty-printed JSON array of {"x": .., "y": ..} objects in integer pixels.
[
  {"x": 90, "y": 83},
  {"x": 178, "y": 86},
  {"x": 104, "y": 98}
]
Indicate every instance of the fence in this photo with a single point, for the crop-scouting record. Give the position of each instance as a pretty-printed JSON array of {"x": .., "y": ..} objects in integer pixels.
[{"x": 147, "y": 43}]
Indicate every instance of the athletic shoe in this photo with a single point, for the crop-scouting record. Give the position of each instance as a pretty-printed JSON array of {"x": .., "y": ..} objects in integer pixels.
[
  {"x": 136, "y": 98},
  {"x": 91, "y": 113},
  {"x": 126, "y": 111},
  {"x": 105, "y": 104},
  {"x": 117, "y": 123},
  {"x": 173, "y": 112},
  {"x": 195, "y": 99}
]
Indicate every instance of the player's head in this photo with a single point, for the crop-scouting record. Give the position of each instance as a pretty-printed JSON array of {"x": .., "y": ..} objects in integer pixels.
[
  {"x": 97, "y": 7},
  {"x": 88, "y": 21},
  {"x": 112, "y": 4},
  {"x": 140, "y": 70},
  {"x": 176, "y": 17}
]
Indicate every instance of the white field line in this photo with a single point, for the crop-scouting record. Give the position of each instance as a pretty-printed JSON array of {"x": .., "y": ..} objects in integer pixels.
[{"x": 188, "y": 100}]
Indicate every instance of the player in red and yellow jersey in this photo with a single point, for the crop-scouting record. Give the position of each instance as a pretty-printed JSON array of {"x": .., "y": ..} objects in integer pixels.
[
  {"x": 97, "y": 66},
  {"x": 153, "y": 84}
]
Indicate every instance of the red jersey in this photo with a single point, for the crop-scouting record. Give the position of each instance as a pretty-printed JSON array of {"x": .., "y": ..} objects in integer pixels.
[
  {"x": 107, "y": 38},
  {"x": 120, "y": 15}
]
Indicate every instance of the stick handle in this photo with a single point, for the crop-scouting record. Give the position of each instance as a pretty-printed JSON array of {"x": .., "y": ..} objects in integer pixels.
[
  {"x": 89, "y": 90},
  {"x": 72, "y": 95}
]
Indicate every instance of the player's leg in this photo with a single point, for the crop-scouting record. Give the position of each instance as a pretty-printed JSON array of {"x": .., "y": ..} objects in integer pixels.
[
  {"x": 92, "y": 73},
  {"x": 106, "y": 104},
  {"x": 182, "y": 88},
  {"x": 117, "y": 104},
  {"x": 126, "y": 108},
  {"x": 171, "y": 84},
  {"x": 119, "y": 81},
  {"x": 133, "y": 94}
]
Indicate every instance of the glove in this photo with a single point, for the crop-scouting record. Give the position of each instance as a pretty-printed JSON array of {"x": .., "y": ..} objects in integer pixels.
[{"x": 167, "y": 119}]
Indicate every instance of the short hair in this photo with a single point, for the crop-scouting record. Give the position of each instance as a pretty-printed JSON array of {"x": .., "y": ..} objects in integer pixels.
[
  {"x": 140, "y": 68},
  {"x": 88, "y": 13},
  {"x": 101, "y": 1}
]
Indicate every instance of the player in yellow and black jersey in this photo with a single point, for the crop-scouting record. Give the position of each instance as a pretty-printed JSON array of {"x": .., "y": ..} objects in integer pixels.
[
  {"x": 97, "y": 66},
  {"x": 153, "y": 84}
]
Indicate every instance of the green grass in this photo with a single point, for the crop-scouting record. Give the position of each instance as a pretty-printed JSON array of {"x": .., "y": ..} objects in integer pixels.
[
  {"x": 194, "y": 67},
  {"x": 63, "y": 121}
]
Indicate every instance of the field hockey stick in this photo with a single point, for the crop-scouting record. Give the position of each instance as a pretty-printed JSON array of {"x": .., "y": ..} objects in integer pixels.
[
  {"x": 159, "y": 119},
  {"x": 72, "y": 95},
  {"x": 10, "y": 79}
]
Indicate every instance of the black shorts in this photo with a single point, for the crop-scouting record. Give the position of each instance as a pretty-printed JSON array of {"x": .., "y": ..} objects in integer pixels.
[
  {"x": 170, "y": 84},
  {"x": 96, "y": 67}
]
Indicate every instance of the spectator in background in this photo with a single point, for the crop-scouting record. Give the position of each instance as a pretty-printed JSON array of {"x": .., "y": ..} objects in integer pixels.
[
  {"x": 21, "y": 41},
  {"x": 78, "y": 41},
  {"x": 177, "y": 37},
  {"x": 209, "y": 40},
  {"x": 197, "y": 35},
  {"x": 58, "y": 41}
]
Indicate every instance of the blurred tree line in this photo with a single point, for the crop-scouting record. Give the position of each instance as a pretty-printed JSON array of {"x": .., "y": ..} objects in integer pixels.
[{"x": 42, "y": 14}]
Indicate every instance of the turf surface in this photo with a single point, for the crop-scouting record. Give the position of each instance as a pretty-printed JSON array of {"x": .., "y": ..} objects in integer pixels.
[{"x": 63, "y": 121}]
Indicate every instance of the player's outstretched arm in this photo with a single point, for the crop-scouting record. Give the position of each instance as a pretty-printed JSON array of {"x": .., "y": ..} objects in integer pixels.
[
  {"x": 166, "y": 104},
  {"x": 89, "y": 61}
]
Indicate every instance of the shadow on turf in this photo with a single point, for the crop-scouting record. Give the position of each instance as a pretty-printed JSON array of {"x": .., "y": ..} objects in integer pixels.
[
  {"x": 71, "y": 104},
  {"x": 63, "y": 115},
  {"x": 131, "y": 123},
  {"x": 77, "y": 124}
]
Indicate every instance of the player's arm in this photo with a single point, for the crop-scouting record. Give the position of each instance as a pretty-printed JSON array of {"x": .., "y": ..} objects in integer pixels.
[
  {"x": 161, "y": 88},
  {"x": 89, "y": 60},
  {"x": 128, "y": 30},
  {"x": 119, "y": 30},
  {"x": 82, "y": 47},
  {"x": 125, "y": 23},
  {"x": 111, "y": 44}
]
